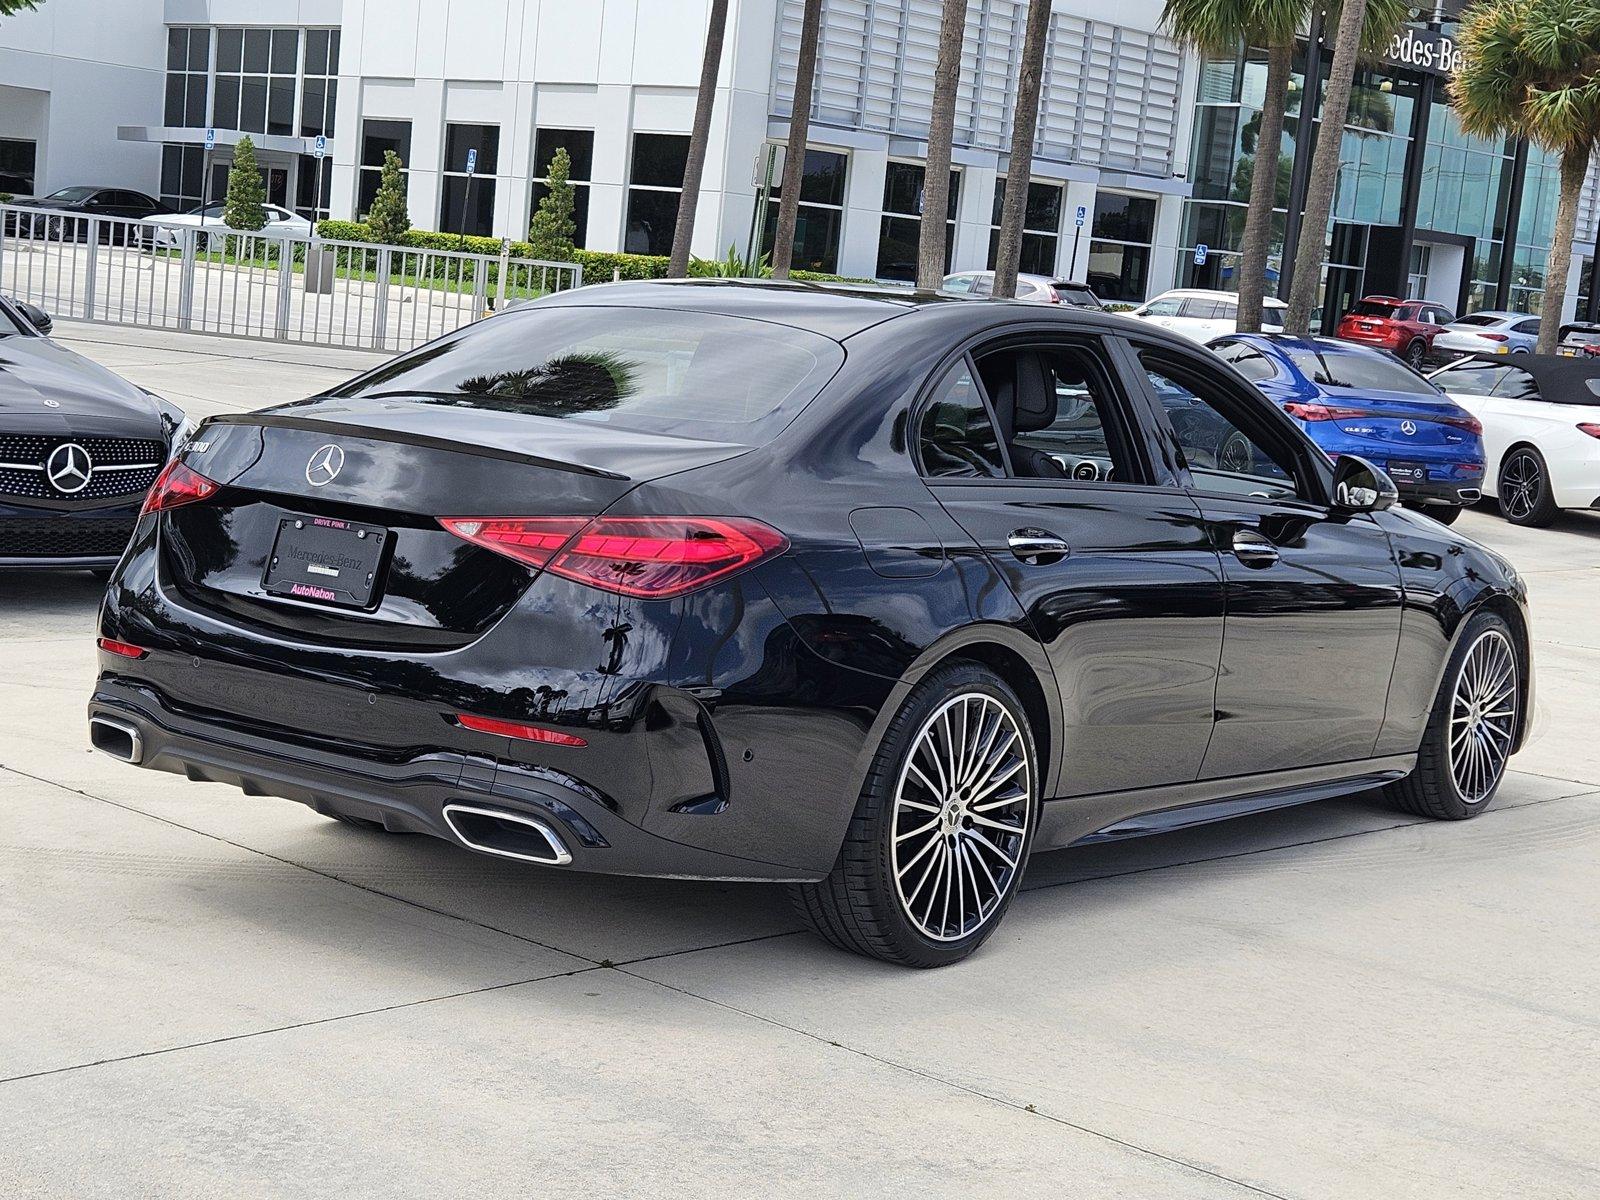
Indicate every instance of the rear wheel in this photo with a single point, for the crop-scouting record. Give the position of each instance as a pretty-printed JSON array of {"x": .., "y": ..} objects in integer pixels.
[
  {"x": 1468, "y": 741},
  {"x": 941, "y": 833},
  {"x": 1417, "y": 354},
  {"x": 1524, "y": 488}
]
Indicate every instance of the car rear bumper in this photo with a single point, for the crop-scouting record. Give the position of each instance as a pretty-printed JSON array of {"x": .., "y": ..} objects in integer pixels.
[
  {"x": 1383, "y": 341},
  {"x": 547, "y": 817},
  {"x": 1434, "y": 492}
]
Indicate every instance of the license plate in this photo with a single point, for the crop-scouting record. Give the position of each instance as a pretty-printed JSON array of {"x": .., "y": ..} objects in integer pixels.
[
  {"x": 1565, "y": 353},
  {"x": 1408, "y": 472},
  {"x": 325, "y": 561}
]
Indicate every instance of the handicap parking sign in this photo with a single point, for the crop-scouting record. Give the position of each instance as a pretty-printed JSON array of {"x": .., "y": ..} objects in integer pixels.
[
  {"x": 320, "y": 146},
  {"x": 1200, "y": 253},
  {"x": 472, "y": 160}
]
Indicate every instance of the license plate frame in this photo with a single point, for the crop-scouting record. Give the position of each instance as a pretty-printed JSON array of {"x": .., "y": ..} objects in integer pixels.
[
  {"x": 1408, "y": 472},
  {"x": 326, "y": 561}
]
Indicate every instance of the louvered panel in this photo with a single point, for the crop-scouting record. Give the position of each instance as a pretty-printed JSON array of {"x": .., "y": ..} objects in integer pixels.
[
  {"x": 842, "y": 61},
  {"x": 885, "y": 38},
  {"x": 1061, "y": 96}
]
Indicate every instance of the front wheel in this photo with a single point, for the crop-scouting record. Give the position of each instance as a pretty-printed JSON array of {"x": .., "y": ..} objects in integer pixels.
[
  {"x": 1524, "y": 489},
  {"x": 1470, "y": 732},
  {"x": 942, "y": 828}
]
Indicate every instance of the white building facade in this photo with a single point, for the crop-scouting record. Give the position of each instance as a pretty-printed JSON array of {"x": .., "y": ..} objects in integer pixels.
[{"x": 123, "y": 93}]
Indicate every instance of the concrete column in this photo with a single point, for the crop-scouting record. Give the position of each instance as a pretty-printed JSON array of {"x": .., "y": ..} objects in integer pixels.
[
  {"x": 1166, "y": 255},
  {"x": 1073, "y": 254},
  {"x": 863, "y": 213},
  {"x": 974, "y": 211},
  {"x": 608, "y": 192}
]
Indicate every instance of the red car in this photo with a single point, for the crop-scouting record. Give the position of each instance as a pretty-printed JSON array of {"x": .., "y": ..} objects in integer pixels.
[{"x": 1406, "y": 327}]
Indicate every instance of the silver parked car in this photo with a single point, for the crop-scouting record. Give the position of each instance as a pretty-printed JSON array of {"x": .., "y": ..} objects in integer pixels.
[
  {"x": 1040, "y": 289},
  {"x": 1490, "y": 332}
]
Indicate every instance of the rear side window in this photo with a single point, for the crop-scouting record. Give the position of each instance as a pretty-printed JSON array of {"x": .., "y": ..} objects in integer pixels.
[
  {"x": 1248, "y": 361},
  {"x": 1528, "y": 327},
  {"x": 957, "y": 438},
  {"x": 693, "y": 374},
  {"x": 1203, "y": 310}
]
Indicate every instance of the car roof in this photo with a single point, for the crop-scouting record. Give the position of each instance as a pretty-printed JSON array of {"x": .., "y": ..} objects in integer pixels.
[
  {"x": 1320, "y": 345},
  {"x": 1556, "y": 374},
  {"x": 1499, "y": 314},
  {"x": 1210, "y": 294}
]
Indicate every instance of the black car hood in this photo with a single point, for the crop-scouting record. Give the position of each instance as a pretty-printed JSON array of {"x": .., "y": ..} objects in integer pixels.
[{"x": 88, "y": 399}]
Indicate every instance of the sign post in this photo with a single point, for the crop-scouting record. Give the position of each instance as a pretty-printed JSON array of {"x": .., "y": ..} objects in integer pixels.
[
  {"x": 1078, "y": 218},
  {"x": 205, "y": 184},
  {"x": 466, "y": 193}
]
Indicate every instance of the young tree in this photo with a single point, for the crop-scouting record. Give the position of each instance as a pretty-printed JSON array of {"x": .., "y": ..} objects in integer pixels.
[
  {"x": 388, "y": 220},
  {"x": 794, "y": 162},
  {"x": 1533, "y": 70},
  {"x": 246, "y": 191},
  {"x": 1024, "y": 127},
  {"x": 695, "y": 164},
  {"x": 1220, "y": 27},
  {"x": 552, "y": 229},
  {"x": 1364, "y": 26},
  {"x": 941, "y": 133}
]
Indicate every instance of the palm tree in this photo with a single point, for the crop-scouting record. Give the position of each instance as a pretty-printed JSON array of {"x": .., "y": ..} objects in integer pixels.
[
  {"x": 1533, "y": 70},
  {"x": 941, "y": 132},
  {"x": 695, "y": 164},
  {"x": 1024, "y": 127},
  {"x": 799, "y": 130},
  {"x": 1218, "y": 27},
  {"x": 1365, "y": 26}
]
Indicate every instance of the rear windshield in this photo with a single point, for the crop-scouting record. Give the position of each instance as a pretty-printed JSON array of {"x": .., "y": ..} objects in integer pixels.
[
  {"x": 1359, "y": 372},
  {"x": 1582, "y": 337},
  {"x": 1479, "y": 319},
  {"x": 692, "y": 374},
  {"x": 1373, "y": 308}
]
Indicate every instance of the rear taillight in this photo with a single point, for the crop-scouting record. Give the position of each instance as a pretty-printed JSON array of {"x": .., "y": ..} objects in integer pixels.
[
  {"x": 176, "y": 486},
  {"x": 518, "y": 729},
  {"x": 1055, "y": 296},
  {"x": 121, "y": 649},
  {"x": 1465, "y": 421},
  {"x": 1320, "y": 412},
  {"x": 1589, "y": 427},
  {"x": 1494, "y": 337},
  {"x": 654, "y": 557}
]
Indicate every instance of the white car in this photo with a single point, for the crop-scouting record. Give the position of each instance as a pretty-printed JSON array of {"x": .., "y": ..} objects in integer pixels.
[
  {"x": 208, "y": 217},
  {"x": 1204, "y": 315},
  {"x": 1541, "y": 430},
  {"x": 1040, "y": 289}
]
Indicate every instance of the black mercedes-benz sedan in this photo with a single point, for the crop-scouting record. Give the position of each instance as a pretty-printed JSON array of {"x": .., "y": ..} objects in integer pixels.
[
  {"x": 871, "y": 593},
  {"x": 79, "y": 448}
]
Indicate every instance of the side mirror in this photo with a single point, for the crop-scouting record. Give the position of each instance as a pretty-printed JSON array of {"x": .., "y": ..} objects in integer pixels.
[
  {"x": 37, "y": 317},
  {"x": 1361, "y": 486}
]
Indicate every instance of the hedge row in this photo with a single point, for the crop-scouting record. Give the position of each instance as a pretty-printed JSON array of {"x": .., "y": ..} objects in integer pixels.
[{"x": 598, "y": 266}]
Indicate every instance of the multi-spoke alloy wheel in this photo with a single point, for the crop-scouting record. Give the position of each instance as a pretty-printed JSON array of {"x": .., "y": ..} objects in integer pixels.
[
  {"x": 1525, "y": 497},
  {"x": 936, "y": 847},
  {"x": 961, "y": 811},
  {"x": 1483, "y": 714},
  {"x": 1476, "y": 720}
]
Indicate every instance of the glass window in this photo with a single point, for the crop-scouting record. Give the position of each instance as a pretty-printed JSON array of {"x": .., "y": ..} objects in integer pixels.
[
  {"x": 1160, "y": 308},
  {"x": 188, "y": 74},
  {"x": 466, "y": 201},
  {"x": 901, "y": 225},
  {"x": 1041, "y": 227},
  {"x": 1119, "y": 246},
  {"x": 1248, "y": 360},
  {"x": 690, "y": 374},
  {"x": 655, "y": 184},
  {"x": 1471, "y": 378},
  {"x": 957, "y": 437},
  {"x": 1060, "y": 406},
  {"x": 820, "y": 216},
  {"x": 1346, "y": 369},
  {"x": 17, "y": 165},
  {"x": 579, "y": 145},
  {"x": 182, "y": 176},
  {"x": 378, "y": 135},
  {"x": 1221, "y": 455}
]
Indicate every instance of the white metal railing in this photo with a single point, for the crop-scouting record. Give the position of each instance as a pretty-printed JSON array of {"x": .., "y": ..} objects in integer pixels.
[{"x": 264, "y": 284}]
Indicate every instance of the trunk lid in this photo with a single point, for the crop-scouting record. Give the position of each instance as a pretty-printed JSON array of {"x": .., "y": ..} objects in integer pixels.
[
  {"x": 356, "y": 488},
  {"x": 1405, "y": 421}
]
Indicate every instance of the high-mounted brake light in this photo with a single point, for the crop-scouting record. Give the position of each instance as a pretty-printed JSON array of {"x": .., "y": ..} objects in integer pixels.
[
  {"x": 517, "y": 729},
  {"x": 651, "y": 557},
  {"x": 124, "y": 649},
  {"x": 176, "y": 486}
]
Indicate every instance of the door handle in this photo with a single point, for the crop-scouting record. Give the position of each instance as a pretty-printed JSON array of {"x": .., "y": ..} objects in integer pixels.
[
  {"x": 1254, "y": 549},
  {"x": 1034, "y": 545}
]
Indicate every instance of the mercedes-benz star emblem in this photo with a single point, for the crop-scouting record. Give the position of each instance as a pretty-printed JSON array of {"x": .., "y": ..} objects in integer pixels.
[
  {"x": 1409, "y": 428},
  {"x": 325, "y": 465},
  {"x": 68, "y": 468}
]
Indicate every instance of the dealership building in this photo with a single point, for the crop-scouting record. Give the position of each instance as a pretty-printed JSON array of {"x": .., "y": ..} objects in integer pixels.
[{"x": 1142, "y": 164}]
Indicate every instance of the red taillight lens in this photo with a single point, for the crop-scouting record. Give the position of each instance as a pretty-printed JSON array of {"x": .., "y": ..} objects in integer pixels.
[
  {"x": 1319, "y": 412},
  {"x": 125, "y": 649},
  {"x": 654, "y": 557},
  {"x": 1494, "y": 337},
  {"x": 516, "y": 729},
  {"x": 176, "y": 486},
  {"x": 1589, "y": 427},
  {"x": 1466, "y": 421}
]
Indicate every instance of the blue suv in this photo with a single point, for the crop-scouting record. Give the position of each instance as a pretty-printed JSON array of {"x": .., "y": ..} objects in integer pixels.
[{"x": 1353, "y": 400}]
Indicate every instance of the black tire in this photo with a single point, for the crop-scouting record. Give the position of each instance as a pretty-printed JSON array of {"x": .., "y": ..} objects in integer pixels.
[
  {"x": 1445, "y": 514},
  {"x": 858, "y": 906},
  {"x": 1432, "y": 790},
  {"x": 1416, "y": 354},
  {"x": 1523, "y": 488}
]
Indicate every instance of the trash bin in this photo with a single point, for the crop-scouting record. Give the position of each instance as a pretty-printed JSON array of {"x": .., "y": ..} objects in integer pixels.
[{"x": 319, "y": 268}]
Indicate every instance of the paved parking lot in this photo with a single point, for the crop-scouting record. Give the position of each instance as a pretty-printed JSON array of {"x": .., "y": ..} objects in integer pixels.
[{"x": 207, "y": 994}]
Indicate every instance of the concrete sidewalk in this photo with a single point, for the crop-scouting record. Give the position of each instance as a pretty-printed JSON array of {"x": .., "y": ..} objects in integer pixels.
[{"x": 203, "y": 993}]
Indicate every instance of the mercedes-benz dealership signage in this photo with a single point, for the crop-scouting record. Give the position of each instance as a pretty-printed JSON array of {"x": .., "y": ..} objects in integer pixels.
[{"x": 1425, "y": 50}]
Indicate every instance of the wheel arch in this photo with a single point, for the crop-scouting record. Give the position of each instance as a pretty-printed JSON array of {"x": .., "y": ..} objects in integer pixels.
[{"x": 1504, "y": 606}]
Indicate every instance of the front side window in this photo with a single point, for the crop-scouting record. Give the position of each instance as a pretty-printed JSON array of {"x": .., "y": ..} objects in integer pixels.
[
  {"x": 1160, "y": 308},
  {"x": 956, "y": 436},
  {"x": 1224, "y": 450},
  {"x": 1471, "y": 378}
]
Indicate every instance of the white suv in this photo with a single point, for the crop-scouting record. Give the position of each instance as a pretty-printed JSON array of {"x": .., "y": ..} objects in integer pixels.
[{"x": 1203, "y": 315}]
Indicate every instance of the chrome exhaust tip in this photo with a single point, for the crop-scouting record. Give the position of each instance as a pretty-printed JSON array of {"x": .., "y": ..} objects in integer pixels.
[
  {"x": 119, "y": 739},
  {"x": 507, "y": 834}
]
